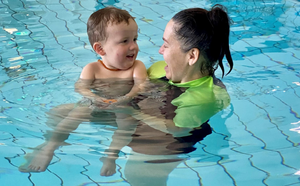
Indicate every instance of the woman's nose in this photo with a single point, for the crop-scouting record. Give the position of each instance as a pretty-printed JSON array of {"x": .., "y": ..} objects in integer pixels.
[{"x": 161, "y": 50}]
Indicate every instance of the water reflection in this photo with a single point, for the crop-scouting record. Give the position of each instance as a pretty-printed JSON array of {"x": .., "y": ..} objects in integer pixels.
[{"x": 159, "y": 125}]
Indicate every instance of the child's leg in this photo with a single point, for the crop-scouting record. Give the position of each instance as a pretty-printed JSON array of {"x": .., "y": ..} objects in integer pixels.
[
  {"x": 121, "y": 137},
  {"x": 41, "y": 157},
  {"x": 58, "y": 113}
]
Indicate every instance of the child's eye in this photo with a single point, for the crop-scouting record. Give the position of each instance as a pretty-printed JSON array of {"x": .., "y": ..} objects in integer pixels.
[
  {"x": 124, "y": 41},
  {"x": 135, "y": 39}
]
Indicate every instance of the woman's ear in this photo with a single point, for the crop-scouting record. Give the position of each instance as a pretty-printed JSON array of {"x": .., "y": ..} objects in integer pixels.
[
  {"x": 193, "y": 56},
  {"x": 97, "y": 46}
]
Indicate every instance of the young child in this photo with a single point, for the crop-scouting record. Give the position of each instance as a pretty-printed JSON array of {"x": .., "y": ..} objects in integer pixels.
[
  {"x": 115, "y": 79},
  {"x": 113, "y": 34}
]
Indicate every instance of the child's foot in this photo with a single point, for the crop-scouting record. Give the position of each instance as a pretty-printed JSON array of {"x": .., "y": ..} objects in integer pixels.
[
  {"x": 108, "y": 168},
  {"x": 37, "y": 161}
]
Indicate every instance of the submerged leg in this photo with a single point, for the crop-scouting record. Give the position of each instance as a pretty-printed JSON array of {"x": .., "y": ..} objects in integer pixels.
[
  {"x": 121, "y": 137},
  {"x": 149, "y": 170},
  {"x": 38, "y": 160},
  {"x": 41, "y": 157}
]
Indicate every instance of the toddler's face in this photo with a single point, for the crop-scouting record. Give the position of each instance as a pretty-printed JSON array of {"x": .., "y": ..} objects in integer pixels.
[{"x": 120, "y": 47}]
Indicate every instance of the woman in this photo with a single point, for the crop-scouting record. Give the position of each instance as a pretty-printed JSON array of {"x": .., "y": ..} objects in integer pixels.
[{"x": 195, "y": 42}]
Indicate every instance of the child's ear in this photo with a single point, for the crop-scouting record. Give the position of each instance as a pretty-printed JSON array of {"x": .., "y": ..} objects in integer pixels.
[
  {"x": 193, "y": 56},
  {"x": 98, "y": 48}
]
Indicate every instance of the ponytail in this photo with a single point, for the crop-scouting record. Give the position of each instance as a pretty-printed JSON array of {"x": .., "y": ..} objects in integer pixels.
[{"x": 220, "y": 23}]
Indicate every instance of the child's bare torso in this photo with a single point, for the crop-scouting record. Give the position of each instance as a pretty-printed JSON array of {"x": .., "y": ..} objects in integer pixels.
[
  {"x": 100, "y": 72},
  {"x": 112, "y": 88}
]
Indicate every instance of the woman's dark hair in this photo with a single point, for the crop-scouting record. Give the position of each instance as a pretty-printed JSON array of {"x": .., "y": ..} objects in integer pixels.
[{"x": 207, "y": 31}]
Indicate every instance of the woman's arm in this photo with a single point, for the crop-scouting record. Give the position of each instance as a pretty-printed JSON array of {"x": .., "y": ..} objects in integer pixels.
[{"x": 162, "y": 124}]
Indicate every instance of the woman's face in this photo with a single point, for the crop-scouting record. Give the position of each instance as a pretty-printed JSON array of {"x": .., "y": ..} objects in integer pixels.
[{"x": 176, "y": 59}]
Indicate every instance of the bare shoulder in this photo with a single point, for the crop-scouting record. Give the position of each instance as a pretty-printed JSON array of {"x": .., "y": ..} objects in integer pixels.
[
  {"x": 139, "y": 65},
  {"x": 89, "y": 71},
  {"x": 139, "y": 70}
]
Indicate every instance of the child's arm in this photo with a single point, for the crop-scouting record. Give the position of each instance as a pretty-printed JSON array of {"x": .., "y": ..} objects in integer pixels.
[
  {"x": 139, "y": 77},
  {"x": 84, "y": 84}
]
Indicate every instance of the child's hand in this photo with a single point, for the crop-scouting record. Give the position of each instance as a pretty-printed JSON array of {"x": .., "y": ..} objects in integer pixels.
[
  {"x": 101, "y": 102},
  {"x": 110, "y": 101},
  {"x": 120, "y": 102}
]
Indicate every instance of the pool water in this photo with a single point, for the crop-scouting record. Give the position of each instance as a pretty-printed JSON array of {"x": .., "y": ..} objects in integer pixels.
[{"x": 255, "y": 141}]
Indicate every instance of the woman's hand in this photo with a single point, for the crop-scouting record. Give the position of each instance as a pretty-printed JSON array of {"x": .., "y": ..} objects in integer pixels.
[{"x": 124, "y": 100}]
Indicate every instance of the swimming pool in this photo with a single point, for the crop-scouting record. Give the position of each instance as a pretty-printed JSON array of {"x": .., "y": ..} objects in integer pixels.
[{"x": 255, "y": 141}]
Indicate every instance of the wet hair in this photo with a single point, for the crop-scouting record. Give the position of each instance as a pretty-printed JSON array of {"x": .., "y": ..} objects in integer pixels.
[
  {"x": 99, "y": 20},
  {"x": 207, "y": 31}
]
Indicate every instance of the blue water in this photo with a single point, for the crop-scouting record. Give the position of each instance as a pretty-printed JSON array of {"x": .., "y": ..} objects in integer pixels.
[{"x": 255, "y": 141}]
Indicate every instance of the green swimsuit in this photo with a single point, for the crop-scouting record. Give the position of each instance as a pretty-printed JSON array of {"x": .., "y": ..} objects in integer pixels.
[{"x": 201, "y": 100}]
